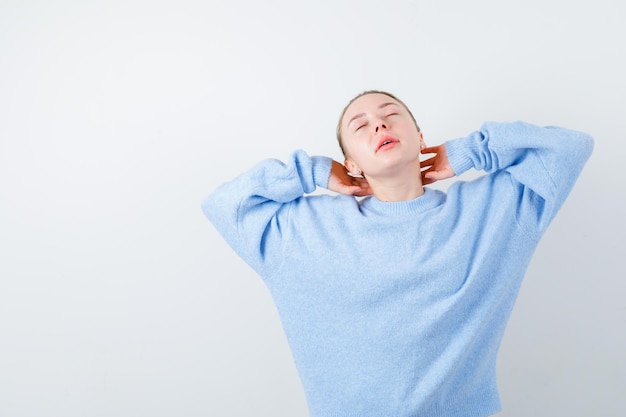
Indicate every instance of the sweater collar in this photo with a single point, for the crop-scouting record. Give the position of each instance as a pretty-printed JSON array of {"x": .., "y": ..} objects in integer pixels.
[{"x": 430, "y": 199}]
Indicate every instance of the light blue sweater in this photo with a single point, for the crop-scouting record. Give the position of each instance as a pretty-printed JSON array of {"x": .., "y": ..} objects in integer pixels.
[{"x": 397, "y": 309}]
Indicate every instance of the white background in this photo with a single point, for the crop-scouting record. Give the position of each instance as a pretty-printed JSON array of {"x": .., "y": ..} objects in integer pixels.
[{"x": 117, "y": 297}]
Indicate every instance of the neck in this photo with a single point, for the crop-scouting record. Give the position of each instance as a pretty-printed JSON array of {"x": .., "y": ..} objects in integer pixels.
[{"x": 402, "y": 187}]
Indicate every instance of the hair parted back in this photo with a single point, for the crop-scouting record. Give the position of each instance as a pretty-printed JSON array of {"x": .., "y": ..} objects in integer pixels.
[{"x": 343, "y": 113}]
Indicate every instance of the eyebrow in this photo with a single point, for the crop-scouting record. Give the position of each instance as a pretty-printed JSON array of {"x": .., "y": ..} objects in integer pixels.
[{"x": 363, "y": 114}]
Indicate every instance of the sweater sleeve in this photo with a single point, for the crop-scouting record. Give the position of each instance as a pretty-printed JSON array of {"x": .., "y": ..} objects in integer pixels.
[
  {"x": 250, "y": 210},
  {"x": 543, "y": 164}
]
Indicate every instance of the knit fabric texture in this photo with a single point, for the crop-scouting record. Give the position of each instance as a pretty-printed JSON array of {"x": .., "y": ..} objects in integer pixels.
[{"x": 397, "y": 309}]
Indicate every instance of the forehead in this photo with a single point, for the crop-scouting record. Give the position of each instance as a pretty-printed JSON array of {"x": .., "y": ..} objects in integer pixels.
[{"x": 367, "y": 103}]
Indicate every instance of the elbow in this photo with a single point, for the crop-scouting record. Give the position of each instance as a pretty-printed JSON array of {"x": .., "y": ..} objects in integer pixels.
[
  {"x": 577, "y": 145},
  {"x": 583, "y": 147},
  {"x": 581, "y": 141},
  {"x": 589, "y": 144},
  {"x": 209, "y": 209}
]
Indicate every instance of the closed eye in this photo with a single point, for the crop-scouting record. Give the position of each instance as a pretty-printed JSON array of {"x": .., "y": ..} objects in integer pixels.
[
  {"x": 391, "y": 114},
  {"x": 360, "y": 126}
]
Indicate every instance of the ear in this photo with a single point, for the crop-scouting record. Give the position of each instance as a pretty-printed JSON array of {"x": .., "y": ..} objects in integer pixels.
[{"x": 352, "y": 167}]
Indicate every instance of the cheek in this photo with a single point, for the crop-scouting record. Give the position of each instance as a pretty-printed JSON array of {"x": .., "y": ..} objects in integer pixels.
[
  {"x": 410, "y": 132},
  {"x": 357, "y": 148},
  {"x": 351, "y": 144}
]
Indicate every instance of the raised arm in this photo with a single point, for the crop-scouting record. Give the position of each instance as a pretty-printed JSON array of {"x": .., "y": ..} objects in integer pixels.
[
  {"x": 543, "y": 162},
  {"x": 248, "y": 211}
]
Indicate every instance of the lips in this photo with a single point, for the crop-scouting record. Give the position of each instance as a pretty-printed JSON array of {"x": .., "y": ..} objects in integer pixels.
[{"x": 385, "y": 141}]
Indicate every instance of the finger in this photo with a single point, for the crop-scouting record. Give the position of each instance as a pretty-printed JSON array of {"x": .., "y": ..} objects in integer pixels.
[
  {"x": 433, "y": 175},
  {"x": 363, "y": 187},
  {"x": 424, "y": 170},
  {"x": 363, "y": 191},
  {"x": 429, "y": 149},
  {"x": 426, "y": 180},
  {"x": 439, "y": 174},
  {"x": 427, "y": 162},
  {"x": 351, "y": 190},
  {"x": 361, "y": 182}
]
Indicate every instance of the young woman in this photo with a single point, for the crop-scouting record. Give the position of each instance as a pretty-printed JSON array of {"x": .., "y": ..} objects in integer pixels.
[{"x": 395, "y": 303}]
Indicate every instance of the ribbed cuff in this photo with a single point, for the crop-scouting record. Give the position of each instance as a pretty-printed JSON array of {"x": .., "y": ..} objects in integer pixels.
[
  {"x": 321, "y": 170},
  {"x": 460, "y": 152}
]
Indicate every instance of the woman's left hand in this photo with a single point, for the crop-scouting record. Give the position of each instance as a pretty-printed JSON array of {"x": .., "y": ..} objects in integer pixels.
[{"x": 436, "y": 168}]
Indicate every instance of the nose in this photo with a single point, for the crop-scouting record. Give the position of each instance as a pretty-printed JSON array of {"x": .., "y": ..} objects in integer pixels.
[{"x": 381, "y": 125}]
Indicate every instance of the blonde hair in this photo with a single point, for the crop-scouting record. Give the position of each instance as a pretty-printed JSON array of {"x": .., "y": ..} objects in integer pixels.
[{"x": 343, "y": 113}]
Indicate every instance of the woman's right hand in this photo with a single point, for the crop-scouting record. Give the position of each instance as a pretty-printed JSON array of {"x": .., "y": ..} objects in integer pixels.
[{"x": 341, "y": 182}]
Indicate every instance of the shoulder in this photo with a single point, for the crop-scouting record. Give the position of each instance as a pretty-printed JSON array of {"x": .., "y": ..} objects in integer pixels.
[
  {"x": 494, "y": 186},
  {"x": 322, "y": 209}
]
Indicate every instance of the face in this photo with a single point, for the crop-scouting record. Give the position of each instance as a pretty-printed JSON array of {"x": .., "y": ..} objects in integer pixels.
[{"x": 379, "y": 136}]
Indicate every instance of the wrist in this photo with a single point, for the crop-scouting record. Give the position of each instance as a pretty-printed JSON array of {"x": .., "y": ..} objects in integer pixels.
[
  {"x": 459, "y": 152},
  {"x": 321, "y": 166}
]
